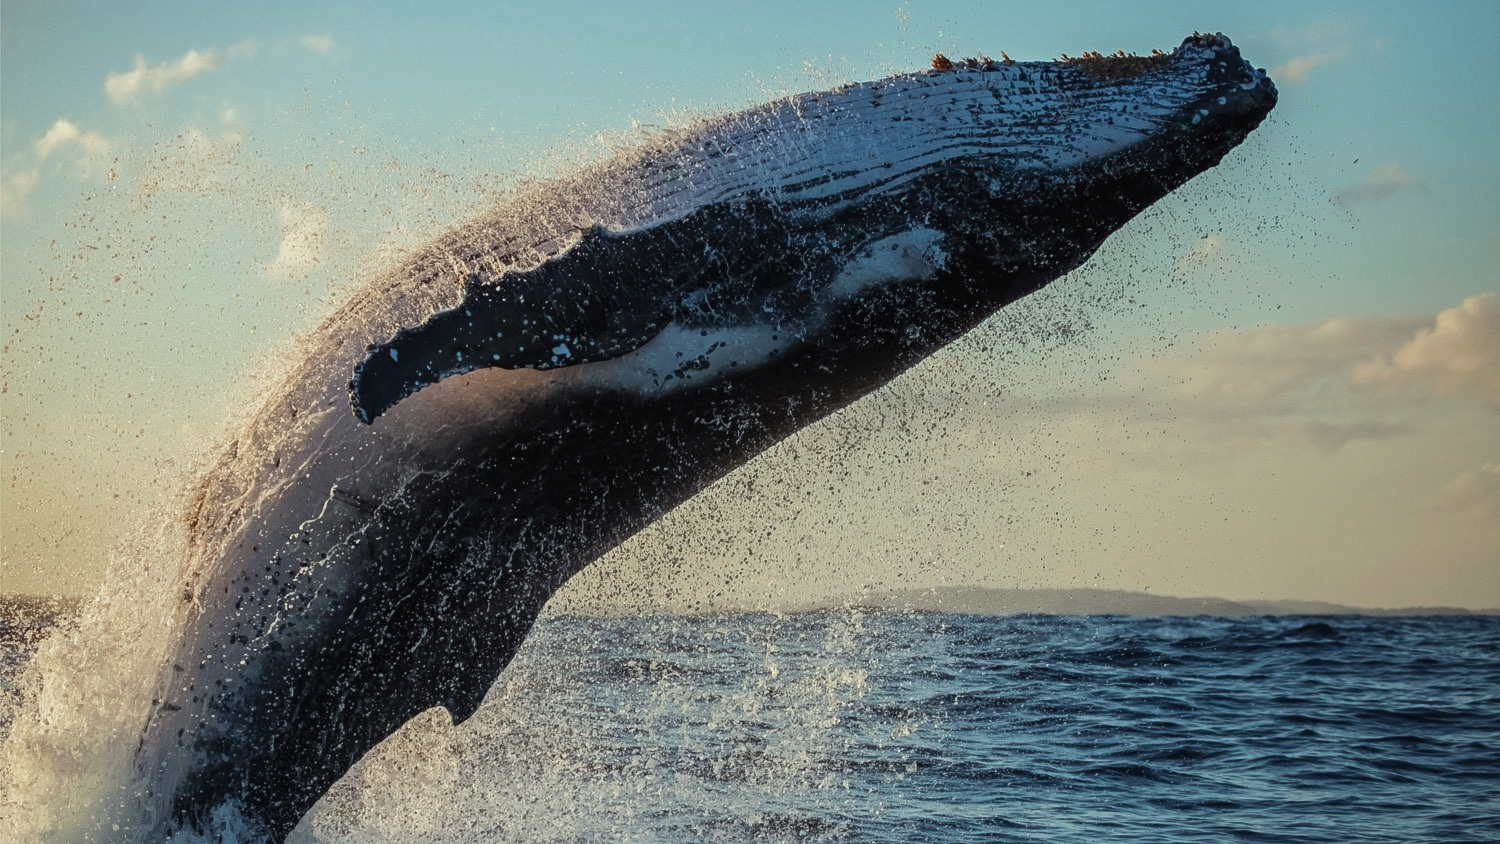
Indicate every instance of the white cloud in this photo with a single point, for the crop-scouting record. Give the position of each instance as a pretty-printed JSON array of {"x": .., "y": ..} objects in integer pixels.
[
  {"x": 64, "y": 132},
  {"x": 244, "y": 49},
  {"x": 1475, "y": 492},
  {"x": 1297, "y": 68},
  {"x": 1383, "y": 181},
  {"x": 14, "y": 190},
  {"x": 1458, "y": 353},
  {"x": 301, "y": 247},
  {"x": 1318, "y": 386},
  {"x": 320, "y": 44},
  {"x": 63, "y": 135},
  {"x": 1278, "y": 363},
  {"x": 1321, "y": 42},
  {"x": 126, "y": 88},
  {"x": 61, "y": 132}
]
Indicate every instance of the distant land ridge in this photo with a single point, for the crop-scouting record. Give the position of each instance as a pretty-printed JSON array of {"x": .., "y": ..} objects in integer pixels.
[{"x": 990, "y": 601}]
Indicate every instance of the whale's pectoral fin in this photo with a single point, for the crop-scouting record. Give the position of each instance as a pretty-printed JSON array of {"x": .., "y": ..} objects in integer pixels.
[{"x": 604, "y": 297}]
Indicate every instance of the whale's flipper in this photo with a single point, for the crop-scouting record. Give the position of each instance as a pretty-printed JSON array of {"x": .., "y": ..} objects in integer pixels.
[
  {"x": 606, "y": 296},
  {"x": 596, "y": 301}
]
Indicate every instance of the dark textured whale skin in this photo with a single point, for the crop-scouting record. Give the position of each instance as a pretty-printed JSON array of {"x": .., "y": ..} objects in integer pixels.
[{"x": 346, "y": 576}]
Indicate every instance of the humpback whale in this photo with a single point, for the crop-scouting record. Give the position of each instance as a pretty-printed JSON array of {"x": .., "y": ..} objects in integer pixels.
[{"x": 480, "y": 423}]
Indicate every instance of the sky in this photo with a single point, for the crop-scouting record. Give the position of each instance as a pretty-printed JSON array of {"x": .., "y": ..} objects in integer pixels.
[{"x": 1282, "y": 382}]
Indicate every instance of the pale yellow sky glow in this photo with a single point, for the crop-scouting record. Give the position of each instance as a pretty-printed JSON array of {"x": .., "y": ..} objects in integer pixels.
[
  {"x": 1255, "y": 465},
  {"x": 1284, "y": 382}
]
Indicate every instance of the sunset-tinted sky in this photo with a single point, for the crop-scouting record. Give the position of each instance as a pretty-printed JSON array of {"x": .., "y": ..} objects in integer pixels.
[{"x": 1282, "y": 382}]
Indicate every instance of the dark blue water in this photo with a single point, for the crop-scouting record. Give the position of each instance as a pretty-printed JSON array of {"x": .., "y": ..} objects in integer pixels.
[{"x": 891, "y": 727}]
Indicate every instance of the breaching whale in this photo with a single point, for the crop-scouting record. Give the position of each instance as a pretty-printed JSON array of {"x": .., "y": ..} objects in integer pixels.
[{"x": 482, "y": 422}]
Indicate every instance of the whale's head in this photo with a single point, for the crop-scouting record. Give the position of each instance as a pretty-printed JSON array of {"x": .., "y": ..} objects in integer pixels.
[
  {"x": 753, "y": 230},
  {"x": 1194, "y": 104}
]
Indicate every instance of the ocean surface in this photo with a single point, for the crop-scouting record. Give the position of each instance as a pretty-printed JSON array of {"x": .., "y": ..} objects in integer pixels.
[{"x": 882, "y": 726}]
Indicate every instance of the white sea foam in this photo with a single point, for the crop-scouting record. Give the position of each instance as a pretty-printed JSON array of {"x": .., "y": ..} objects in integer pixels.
[{"x": 67, "y": 767}]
